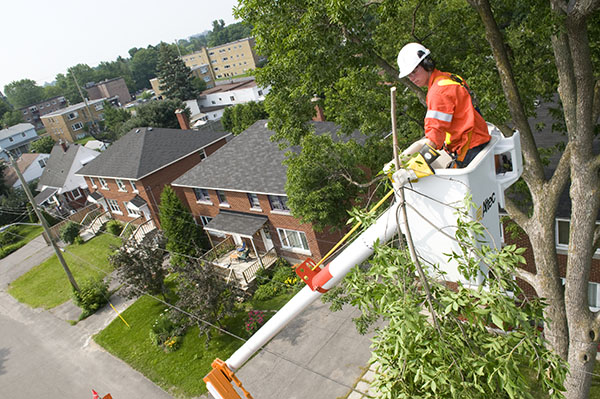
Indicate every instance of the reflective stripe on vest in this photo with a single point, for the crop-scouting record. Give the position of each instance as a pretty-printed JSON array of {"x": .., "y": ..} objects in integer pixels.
[{"x": 441, "y": 116}]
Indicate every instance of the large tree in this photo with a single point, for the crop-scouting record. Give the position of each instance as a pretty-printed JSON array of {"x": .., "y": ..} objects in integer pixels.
[
  {"x": 143, "y": 66},
  {"x": 176, "y": 81},
  {"x": 11, "y": 118},
  {"x": 42, "y": 145},
  {"x": 182, "y": 233},
  {"x": 512, "y": 53},
  {"x": 23, "y": 92}
]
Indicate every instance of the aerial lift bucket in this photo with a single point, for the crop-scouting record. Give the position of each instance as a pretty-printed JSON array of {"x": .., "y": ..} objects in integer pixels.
[{"x": 433, "y": 202}]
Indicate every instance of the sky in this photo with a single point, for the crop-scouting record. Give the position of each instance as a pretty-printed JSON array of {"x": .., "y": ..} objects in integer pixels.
[{"x": 42, "y": 38}]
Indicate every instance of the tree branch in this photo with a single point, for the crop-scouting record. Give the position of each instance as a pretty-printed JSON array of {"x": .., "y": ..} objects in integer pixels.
[
  {"x": 583, "y": 7},
  {"x": 528, "y": 277},
  {"x": 362, "y": 185},
  {"x": 533, "y": 163},
  {"x": 518, "y": 216}
]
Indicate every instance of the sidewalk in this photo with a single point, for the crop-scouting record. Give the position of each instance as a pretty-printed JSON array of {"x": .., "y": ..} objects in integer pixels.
[{"x": 22, "y": 260}]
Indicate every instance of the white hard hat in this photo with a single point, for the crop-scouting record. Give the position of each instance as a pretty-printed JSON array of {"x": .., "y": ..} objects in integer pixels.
[{"x": 410, "y": 57}]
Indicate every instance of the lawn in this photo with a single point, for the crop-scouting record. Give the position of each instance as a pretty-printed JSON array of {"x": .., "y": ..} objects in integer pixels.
[
  {"x": 27, "y": 233},
  {"x": 180, "y": 373},
  {"x": 47, "y": 285}
]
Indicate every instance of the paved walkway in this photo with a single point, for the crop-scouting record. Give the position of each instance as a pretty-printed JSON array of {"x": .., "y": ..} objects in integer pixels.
[{"x": 318, "y": 355}]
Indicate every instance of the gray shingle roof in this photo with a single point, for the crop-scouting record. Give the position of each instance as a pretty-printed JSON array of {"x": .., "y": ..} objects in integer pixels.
[
  {"x": 251, "y": 162},
  {"x": 239, "y": 223},
  {"x": 44, "y": 195},
  {"x": 146, "y": 150},
  {"x": 58, "y": 166},
  {"x": 16, "y": 129}
]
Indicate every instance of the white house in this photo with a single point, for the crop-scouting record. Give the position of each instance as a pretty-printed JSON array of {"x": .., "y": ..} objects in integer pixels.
[
  {"x": 16, "y": 139},
  {"x": 31, "y": 167},
  {"x": 232, "y": 94}
]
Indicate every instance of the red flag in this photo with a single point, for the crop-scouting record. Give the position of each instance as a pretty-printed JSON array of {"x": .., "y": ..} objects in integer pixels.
[{"x": 95, "y": 395}]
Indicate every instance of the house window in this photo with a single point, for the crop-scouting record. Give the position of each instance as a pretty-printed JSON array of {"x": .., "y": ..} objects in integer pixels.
[
  {"x": 93, "y": 183},
  {"x": 99, "y": 106},
  {"x": 292, "y": 239},
  {"x": 76, "y": 193},
  {"x": 562, "y": 233},
  {"x": 120, "y": 185},
  {"x": 202, "y": 154},
  {"x": 42, "y": 162},
  {"x": 114, "y": 206},
  {"x": 72, "y": 116},
  {"x": 593, "y": 296},
  {"x": 131, "y": 211},
  {"x": 260, "y": 92},
  {"x": 253, "y": 199},
  {"x": 77, "y": 126},
  {"x": 133, "y": 186},
  {"x": 207, "y": 78},
  {"x": 278, "y": 203},
  {"x": 22, "y": 134},
  {"x": 232, "y": 98},
  {"x": 11, "y": 139},
  {"x": 201, "y": 195},
  {"x": 103, "y": 183},
  {"x": 222, "y": 198}
]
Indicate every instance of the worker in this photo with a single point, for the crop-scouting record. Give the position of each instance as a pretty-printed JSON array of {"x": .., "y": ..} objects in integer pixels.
[{"x": 452, "y": 122}]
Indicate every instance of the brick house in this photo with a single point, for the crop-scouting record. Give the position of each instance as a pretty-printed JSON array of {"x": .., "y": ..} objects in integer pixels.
[
  {"x": 33, "y": 112},
  {"x": 109, "y": 88},
  {"x": 127, "y": 179},
  {"x": 546, "y": 139},
  {"x": 239, "y": 192}
]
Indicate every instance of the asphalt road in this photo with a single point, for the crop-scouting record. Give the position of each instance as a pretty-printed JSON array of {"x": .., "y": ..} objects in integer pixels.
[{"x": 43, "y": 356}]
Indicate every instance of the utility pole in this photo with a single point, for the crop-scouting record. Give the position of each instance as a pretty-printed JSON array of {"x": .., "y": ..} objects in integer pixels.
[{"x": 43, "y": 222}]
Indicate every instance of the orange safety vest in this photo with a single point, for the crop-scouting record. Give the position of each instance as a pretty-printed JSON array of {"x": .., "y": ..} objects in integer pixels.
[{"x": 451, "y": 121}]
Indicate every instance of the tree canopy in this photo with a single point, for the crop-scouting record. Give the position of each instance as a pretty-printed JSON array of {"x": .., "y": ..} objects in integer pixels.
[
  {"x": 42, "y": 145},
  {"x": 239, "y": 117},
  {"x": 11, "y": 118},
  {"x": 513, "y": 55},
  {"x": 23, "y": 92},
  {"x": 174, "y": 77}
]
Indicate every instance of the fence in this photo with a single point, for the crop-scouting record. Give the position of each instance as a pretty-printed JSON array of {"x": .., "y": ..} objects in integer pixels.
[{"x": 143, "y": 229}]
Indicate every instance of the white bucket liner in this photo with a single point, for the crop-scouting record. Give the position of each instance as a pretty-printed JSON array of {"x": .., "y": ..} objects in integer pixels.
[{"x": 432, "y": 201}]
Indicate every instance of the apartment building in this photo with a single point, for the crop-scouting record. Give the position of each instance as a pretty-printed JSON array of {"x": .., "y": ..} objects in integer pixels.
[
  {"x": 33, "y": 112},
  {"x": 227, "y": 60},
  {"x": 70, "y": 124},
  {"x": 110, "y": 88}
]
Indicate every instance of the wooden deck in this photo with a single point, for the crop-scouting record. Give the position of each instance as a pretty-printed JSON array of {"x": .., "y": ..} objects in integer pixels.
[{"x": 243, "y": 272}]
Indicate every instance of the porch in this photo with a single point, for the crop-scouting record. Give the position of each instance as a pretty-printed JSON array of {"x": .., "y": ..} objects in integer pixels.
[
  {"x": 229, "y": 263},
  {"x": 247, "y": 246}
]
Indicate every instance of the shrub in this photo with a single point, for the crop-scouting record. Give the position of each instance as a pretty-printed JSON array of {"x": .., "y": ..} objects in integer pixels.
[
  {"x": 166, "y": 333},
  {"x": 69, "y": 231},
  {"x": 78, "y": 240},
  {"x": 267, "y": 291},
  {"x": 92, "y": 295},
  {"x": 114, "y": 227},
  {"x": 283, "y": 272}
]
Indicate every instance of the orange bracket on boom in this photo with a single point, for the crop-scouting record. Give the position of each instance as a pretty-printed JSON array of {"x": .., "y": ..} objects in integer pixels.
[
  {"x": 315, "y": 279},
  {"x": 218, "y": 382}
]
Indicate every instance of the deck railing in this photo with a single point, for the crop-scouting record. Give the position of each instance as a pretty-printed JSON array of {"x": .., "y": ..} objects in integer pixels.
[
  {"x": 143, "y": 229},
  {"x": 220, "y": 249},
  {"x": 99, "y": 221},
  {"x": 267, "y": 260}
]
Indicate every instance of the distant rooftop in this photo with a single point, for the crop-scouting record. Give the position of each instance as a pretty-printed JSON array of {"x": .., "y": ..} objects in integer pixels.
[
  {"x": 72, "y": 108},
  {"x": 229, "y": 87},
  {"x": 16, "y": 129}
]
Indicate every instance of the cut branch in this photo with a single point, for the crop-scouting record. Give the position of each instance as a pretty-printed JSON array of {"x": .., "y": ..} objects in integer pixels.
[
  {"x": 361, "y": 185},
  {"x": 528, "y": 277}
]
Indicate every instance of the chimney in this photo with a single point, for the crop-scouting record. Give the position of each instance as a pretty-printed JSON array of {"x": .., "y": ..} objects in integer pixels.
[
  {"x": 184, "y": 122},
  {"x": 320, "y": 115},
  {"x": 63, "y": 145}
]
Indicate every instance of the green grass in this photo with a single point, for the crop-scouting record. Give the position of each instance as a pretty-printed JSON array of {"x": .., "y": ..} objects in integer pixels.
[
  {"x": 180, "y": 372},
  {"x": 27, "y": 233},
  {"x": 47, "y": 285}
]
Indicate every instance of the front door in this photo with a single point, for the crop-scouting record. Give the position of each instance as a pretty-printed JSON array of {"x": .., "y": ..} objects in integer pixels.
[{"x": 265, "y": 234}]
